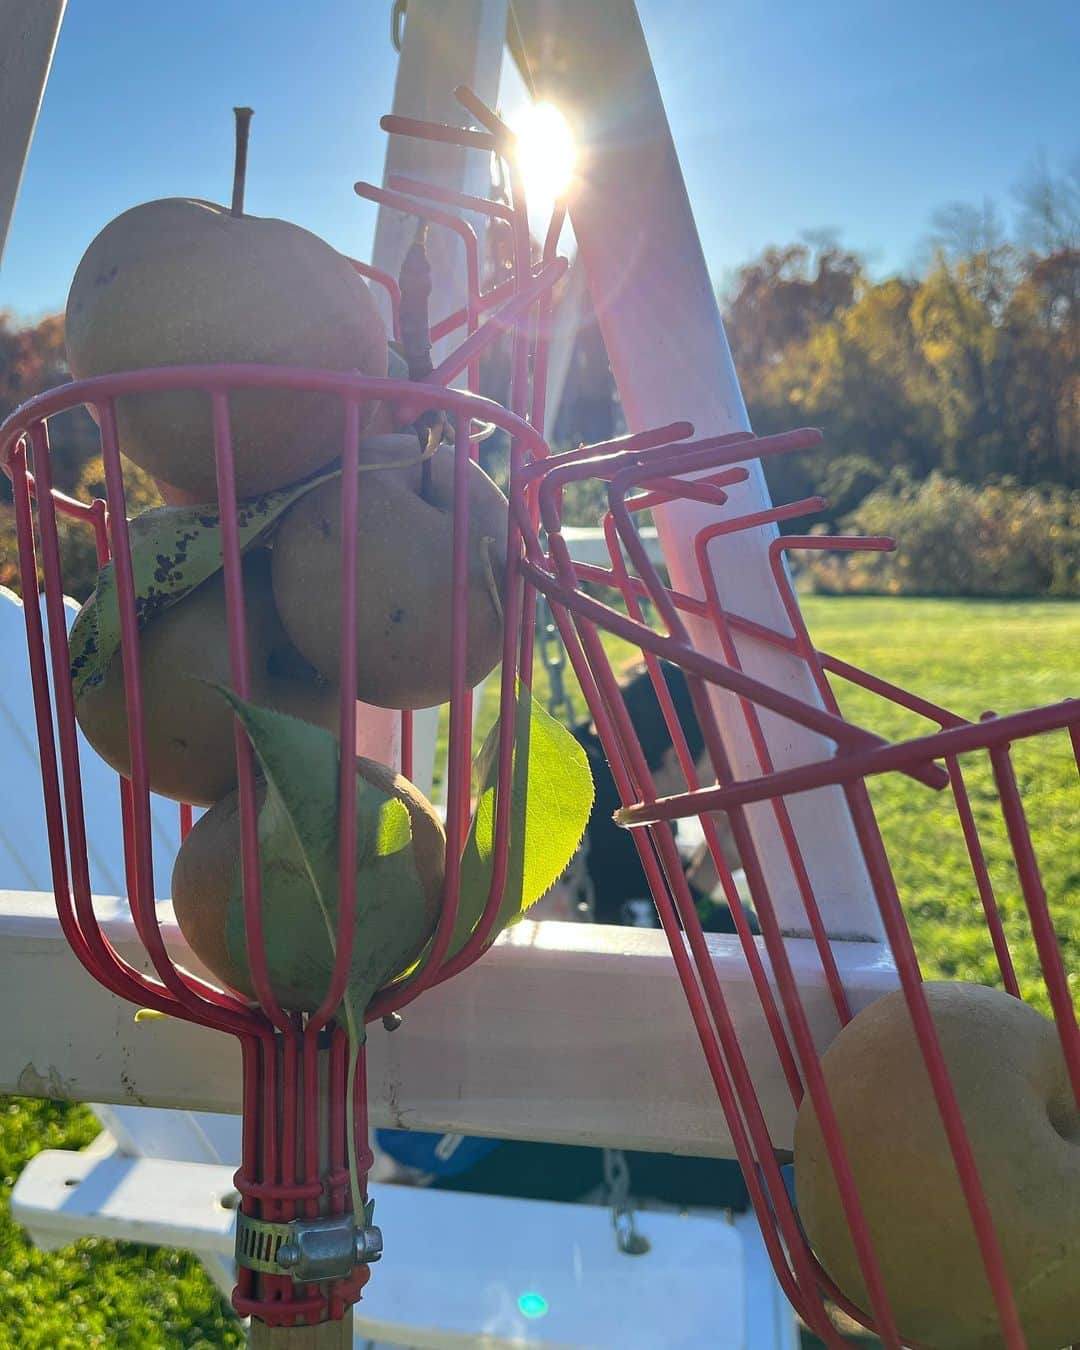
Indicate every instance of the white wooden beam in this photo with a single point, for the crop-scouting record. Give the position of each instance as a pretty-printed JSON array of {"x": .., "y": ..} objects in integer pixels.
[
  {"x": 570, "y": 1033},
  {"x": 28, "y": 33}
]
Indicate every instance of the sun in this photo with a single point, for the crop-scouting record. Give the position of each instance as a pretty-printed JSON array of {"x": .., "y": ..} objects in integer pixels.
[{"x": 545, "y": 151}]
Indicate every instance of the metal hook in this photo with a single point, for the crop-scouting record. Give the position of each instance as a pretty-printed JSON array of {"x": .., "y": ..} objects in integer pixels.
[
  {"x": 617, "y": 1175},
  {"x": 397, "y": 23}
]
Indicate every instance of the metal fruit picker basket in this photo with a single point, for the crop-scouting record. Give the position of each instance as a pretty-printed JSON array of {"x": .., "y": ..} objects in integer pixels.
[
  {"x": 915, "y": 1211},
  {"x": 305, "y": 1234},
  {"x": 630, "y": 600}
]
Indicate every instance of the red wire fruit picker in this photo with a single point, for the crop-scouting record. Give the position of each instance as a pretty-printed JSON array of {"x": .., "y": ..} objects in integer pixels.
[
  {"x": 629, "y": 600},
  {"x": 305, "y": 1231},
  {"x": 906, "y": 1214}
]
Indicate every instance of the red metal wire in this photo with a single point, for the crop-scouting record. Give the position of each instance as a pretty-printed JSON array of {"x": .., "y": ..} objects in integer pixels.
[
  {"x": 582, "y": 619},
  {"x": 283, "y": 1171},
  {"x": 675, "y": 730},
  {"x": 416, "y": 187},
  {"x": 398, "y": 201},
  {"x": 679, "y": 651},
  {"x": 438, "y": 132},
  {"x": 1042, "y": 927},
  {"x": 347, "y": 628},
  {"x": 856, "y": 764},
  {"x": 816, "y": 924},
  {"x": 389, "y": 285},
  {"x": 458, "y": 318},
  {"x": 707, "y": 1005}
]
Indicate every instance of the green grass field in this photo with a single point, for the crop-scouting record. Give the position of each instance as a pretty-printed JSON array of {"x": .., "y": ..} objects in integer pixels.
[{"x": 969, "y": 656}]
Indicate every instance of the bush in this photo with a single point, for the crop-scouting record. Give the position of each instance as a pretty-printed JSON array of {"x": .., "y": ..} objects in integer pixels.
[
  {"x": 953, "y": 539},
  {"x": 78, "y": 552}
]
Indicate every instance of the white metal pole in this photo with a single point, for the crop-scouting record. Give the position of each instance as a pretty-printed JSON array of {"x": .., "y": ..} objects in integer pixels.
[
  {"x": 564, "y": 335},
  {"x": 661, "y": 322},
  {"x": 28, "y": 33},
  {"x": 446, "y": 43}
]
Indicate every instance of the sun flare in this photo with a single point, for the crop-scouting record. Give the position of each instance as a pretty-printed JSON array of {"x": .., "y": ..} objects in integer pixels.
[{"x": 546, "y": 152}]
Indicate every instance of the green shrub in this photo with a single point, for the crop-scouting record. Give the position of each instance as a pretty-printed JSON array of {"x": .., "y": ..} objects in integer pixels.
[{"x": 954, "y": 539}]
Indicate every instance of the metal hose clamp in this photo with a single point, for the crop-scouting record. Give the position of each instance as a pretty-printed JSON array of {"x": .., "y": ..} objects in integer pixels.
[{"x": 308, "y": 1250}]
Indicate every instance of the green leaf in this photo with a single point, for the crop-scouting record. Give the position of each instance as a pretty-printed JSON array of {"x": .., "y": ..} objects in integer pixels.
[
  {"x": 551, "y": 795},
  {"x": 299, "y": 874},
  {"x": 173, "y": 550},
  {"x": 298, "y": 854}
]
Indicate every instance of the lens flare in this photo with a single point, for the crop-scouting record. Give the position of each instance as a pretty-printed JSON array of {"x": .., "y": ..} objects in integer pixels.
[
  {"x": 545, "y": 151},
  {"x": 532, "y": 1305}
]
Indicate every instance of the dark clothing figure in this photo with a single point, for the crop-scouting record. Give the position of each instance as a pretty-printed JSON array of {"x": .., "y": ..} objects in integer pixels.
[{"x": 618, "y": 879}]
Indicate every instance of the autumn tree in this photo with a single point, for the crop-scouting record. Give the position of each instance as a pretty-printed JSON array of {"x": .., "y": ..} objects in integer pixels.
[
  {"x": 779, "y": 300},
  {"x": 32, "y": 361},
  {"x": 971, "y": 369}
]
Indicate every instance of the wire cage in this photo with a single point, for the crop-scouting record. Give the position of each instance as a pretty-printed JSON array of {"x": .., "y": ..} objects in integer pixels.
[
  {"x": 304, "y": 1103},
  {"x": 627, "y": 606}
]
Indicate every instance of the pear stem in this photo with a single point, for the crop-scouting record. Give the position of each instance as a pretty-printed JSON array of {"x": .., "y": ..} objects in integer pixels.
[
  {"x": 415, "y": 285},
  {"x": 243, "y": 127}
]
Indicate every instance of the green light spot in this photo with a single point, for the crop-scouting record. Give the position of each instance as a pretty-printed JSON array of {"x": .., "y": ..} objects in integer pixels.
[{"x": 532, "y": 1305}]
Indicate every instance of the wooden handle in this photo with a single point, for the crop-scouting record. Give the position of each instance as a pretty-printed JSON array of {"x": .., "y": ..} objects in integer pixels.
[{"x": 325, "y": 1336}]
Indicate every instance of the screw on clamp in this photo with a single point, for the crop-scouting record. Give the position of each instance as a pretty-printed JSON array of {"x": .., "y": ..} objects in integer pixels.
[
  {"x": 367, "y": 1245},
  {"x": 308, "y": 1250}
]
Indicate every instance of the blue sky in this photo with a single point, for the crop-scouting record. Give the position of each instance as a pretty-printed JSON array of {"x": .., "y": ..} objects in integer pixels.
[{"x": 853, "y": 115}]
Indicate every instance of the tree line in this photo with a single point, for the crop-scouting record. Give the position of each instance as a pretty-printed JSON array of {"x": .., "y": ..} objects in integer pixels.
[
  {"x": 971, "y": 369},
  {"x": 950, "y": 398}
]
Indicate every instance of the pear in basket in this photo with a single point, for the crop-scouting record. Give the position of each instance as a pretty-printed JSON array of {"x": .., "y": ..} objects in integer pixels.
[
  {"x": 404, "y": 588},
  {"x": 1012, "y": 1086},
  {"x": 184, "y": 652},
  {"x": 185, "y": 282},
  {"x": 398, "y": 890}
]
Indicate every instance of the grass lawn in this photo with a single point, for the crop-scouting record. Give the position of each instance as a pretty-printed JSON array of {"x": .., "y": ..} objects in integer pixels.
[
  {"x": 969, "y": 656},
  {"x": 116, "y": 1296}
]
